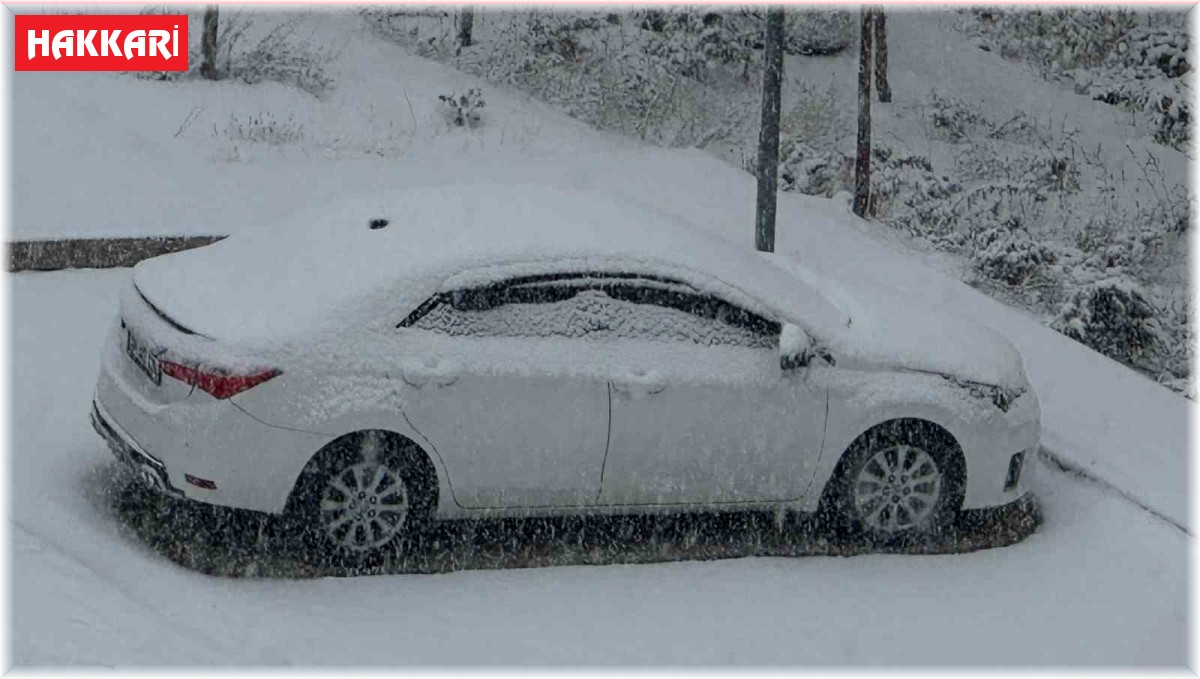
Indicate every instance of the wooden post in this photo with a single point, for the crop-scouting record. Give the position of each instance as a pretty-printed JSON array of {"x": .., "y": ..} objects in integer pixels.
[
  {"x": 881, "y": 56},
  {"x": 208, "y": 43},
  {"x": 466, "y": 22},
  {"x": 768, "y": 133}
]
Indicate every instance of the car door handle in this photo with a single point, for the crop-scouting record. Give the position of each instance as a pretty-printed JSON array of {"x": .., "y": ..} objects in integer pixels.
[
  {"x": 639, "y": 382},
  {"x": 429, "y": 370}
]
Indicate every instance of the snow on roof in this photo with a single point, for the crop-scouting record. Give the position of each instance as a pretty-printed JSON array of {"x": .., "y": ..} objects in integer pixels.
[{"x": 307, "y": 270}]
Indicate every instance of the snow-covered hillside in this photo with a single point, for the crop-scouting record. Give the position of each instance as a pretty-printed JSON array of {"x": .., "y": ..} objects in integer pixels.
[{"x": 105, "y": 155}]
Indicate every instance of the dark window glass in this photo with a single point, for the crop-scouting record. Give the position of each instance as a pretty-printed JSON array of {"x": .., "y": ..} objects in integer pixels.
[{"x": 594, "y": 307}]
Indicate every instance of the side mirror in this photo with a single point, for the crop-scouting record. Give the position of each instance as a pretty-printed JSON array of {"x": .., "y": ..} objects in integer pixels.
[
  {"x": 793, "y": 347},
  {"x": 797, "y": 349}
]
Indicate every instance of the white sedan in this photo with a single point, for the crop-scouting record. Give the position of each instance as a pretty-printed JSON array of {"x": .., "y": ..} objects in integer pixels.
[{"x": 472, "y": 351}]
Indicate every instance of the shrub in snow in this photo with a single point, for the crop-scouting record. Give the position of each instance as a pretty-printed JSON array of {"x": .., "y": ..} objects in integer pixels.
[
  {"x": 1035, "y": 172},
  {"x": 1119, "y": 56},
  {"x": 1172, "y": 362},
  {"x": 813, "y": 172},
  {"x": 1165, "y": 103},
  {"x": 957, "y": 121},
  {"x": 556, "y": 35},
  {"x": 280, "y": 57},
  {"x": 1011, "y": 256},
  {"x": 951, "y": 119},
  {"x": 1105, "y": 247},
  {"x": 809, "y": 159},
  {"x": 994, "y": 185},
  {"x": 818, "y": 32},
  {"x": 811, "y": 131},
  {"x": 906, "y": 193},
  {"x": 1057, "y": 39},
  {"x": 693, "y": 44},
  {"x": 814, "y": 117},
  {"x": 1113, "y": 317},
  {"x": 264, "y": 128},
  {"x": 463, "y": 109},
  {"x": 810, "y": 32}
]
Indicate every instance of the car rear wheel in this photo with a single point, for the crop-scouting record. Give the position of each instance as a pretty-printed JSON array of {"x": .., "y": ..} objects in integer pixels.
[
  {"x": 899, "y": 481},
  {"x": 363, "y": 506},
  {"x": 363, "y": 497}
]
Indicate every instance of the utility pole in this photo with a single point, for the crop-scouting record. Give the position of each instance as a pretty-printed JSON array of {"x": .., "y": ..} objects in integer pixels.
[
  {"x": 208, "y": 43},
  {"x": 768, "y": 133},
  {"x": 862, "y": 159}
]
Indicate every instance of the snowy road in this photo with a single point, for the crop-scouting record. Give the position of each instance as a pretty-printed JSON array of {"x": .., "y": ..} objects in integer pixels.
[{"x": 1102, "y": 582}]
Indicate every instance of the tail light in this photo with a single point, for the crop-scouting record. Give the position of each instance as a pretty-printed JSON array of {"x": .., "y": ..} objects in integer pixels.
[{"x": 216, "y": 382}]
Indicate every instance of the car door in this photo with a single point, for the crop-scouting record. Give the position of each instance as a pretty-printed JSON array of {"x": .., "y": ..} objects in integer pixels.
[
  {"x": 701, "y": 411},
  {"x": 493, "y": 382}
]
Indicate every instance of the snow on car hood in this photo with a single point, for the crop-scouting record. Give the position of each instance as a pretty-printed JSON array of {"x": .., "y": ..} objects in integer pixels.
[
  {"x": 894, "y": 332},
  {"x": 887, "y": 330}
]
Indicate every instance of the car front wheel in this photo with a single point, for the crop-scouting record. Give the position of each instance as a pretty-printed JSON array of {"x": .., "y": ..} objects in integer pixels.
[{"x": 901, "y": 480}]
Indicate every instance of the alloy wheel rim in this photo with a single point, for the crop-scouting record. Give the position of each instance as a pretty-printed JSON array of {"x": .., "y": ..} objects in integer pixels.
[
  {"x": 897, "y": 489},
  {"x": 364, "y": 506}
]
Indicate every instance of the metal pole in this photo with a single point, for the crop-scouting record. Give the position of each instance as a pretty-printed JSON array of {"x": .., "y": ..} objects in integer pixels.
[{"x": 768, "y": 134}]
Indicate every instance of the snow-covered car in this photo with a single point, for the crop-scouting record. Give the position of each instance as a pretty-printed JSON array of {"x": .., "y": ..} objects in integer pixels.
[{"x": 456, "y": 352}]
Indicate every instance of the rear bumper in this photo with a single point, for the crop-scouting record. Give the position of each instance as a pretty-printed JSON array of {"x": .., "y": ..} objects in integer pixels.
[
  {"x": 189, "y": 444},
  {"x": 150, "y": 470}
]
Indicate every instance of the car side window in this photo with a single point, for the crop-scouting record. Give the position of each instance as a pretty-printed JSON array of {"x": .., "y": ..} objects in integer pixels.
[{"x": 594, "y": 307}]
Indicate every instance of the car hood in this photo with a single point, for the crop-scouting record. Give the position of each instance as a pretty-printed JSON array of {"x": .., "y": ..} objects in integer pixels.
[
  {"x": 904, "y": 337},
  {"x": 882, "y": 329}
]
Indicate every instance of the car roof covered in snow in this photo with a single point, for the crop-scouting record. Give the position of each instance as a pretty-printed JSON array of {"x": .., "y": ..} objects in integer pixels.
[{"x": 316, "y": 266}]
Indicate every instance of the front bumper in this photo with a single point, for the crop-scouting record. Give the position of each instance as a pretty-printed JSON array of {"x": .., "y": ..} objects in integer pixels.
[{"x": 993, "y": 478}]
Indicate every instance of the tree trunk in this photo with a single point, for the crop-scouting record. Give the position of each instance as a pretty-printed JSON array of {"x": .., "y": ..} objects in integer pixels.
[
  {"x": 208, "y": 43},
  {"x": 862, "y": 159},
  {"x": 466, "y": 22},
  {"x": 881, "y": 57},
  {"x": 768, "y": 133}
]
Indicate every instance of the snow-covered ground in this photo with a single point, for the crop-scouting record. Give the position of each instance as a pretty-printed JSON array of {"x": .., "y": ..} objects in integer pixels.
[{"x": 1102, "y": 582}]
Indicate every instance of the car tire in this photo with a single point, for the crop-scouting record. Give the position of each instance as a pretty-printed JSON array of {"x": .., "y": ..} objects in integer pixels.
[
  {"x": 363, "y": 498},
  {"x": 900, "y": 481}
]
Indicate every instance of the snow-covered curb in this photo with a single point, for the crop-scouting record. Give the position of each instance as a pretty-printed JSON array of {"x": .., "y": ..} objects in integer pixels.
[{"x": 95, "y": 253}]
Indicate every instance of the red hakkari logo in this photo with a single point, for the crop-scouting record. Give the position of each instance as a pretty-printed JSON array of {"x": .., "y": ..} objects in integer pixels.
[{"x": 101, "y": 42}]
